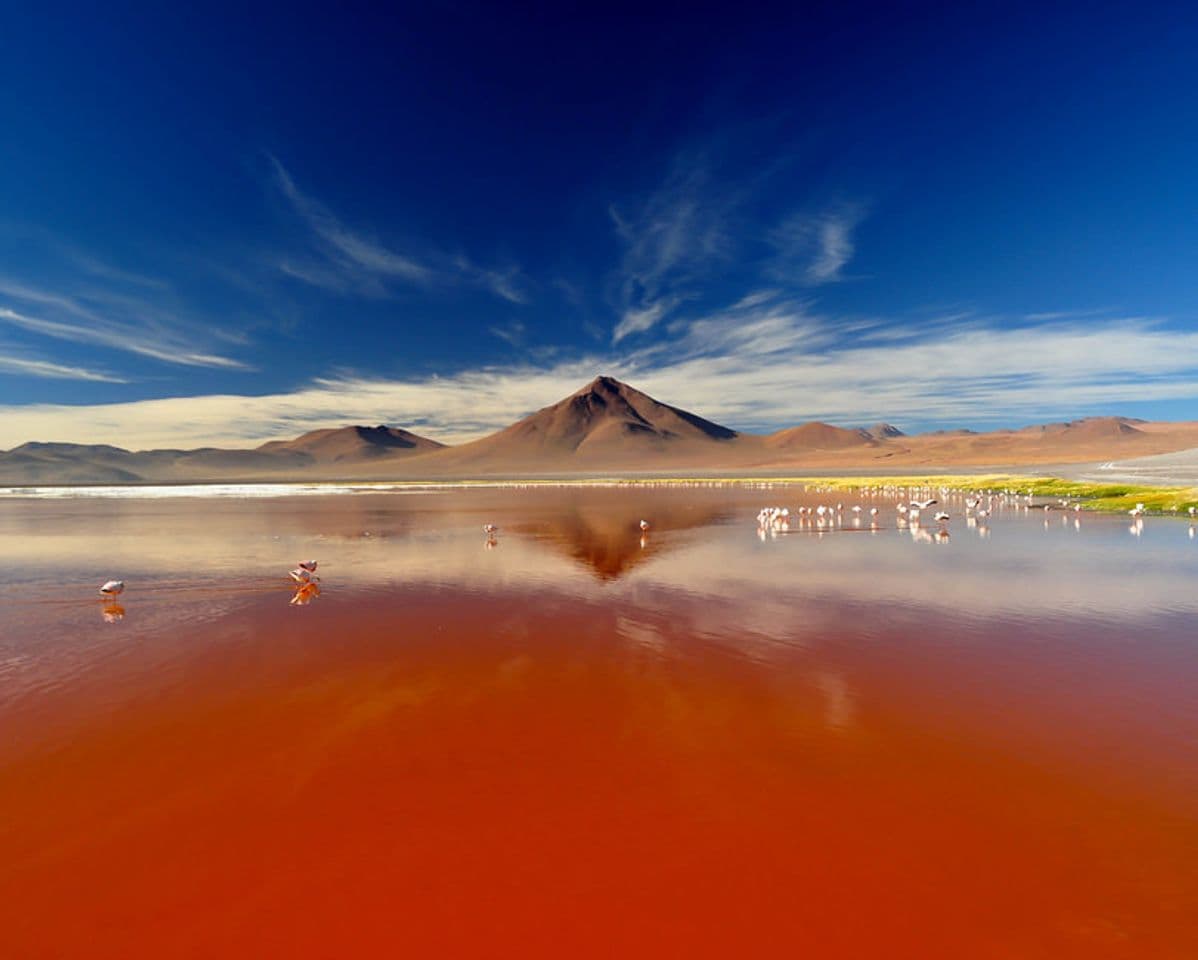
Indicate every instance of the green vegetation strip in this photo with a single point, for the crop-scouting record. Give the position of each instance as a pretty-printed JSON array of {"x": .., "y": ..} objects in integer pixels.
[
  {"x": 1099, "y": 497},
  {"x": 1104, "y": 497}
]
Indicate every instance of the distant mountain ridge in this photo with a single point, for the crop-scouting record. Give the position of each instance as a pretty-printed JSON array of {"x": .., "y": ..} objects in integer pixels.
[
  {"x": 818, "y": 436},
  {"x": 606, "y": 426},
  {"x": 352, "y": 444}
]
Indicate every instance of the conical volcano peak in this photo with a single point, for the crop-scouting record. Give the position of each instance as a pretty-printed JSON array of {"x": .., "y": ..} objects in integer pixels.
[{"x": 605, "y": 385}]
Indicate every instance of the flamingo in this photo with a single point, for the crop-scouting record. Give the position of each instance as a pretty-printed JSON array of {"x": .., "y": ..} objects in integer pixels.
[
  {"x": 113, "y": 588},
  {"x": 302, "y": 575},
  {"x": 644, "y": 525},
  {"x": 923, "y": 504},
  {"x": 309, "y": 565},
  {"x": 303, "y": 596},
  {"x": 942, "y": 517},
  {"x": 490, "y": 528}
]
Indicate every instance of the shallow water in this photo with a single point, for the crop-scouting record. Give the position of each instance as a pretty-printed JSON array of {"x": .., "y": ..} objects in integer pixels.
[{"x": 578, "y": 741}]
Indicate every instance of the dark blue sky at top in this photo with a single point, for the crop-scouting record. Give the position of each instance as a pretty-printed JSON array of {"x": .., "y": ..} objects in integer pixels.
[{"x": 1008, "y": 164}]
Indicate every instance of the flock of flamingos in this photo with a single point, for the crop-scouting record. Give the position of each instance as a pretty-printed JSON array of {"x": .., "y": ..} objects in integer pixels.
[{"x": 772, "y": 521}]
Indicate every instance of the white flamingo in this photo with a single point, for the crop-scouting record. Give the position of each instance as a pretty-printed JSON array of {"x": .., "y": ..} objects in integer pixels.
[{"x": 113, "y": 588}]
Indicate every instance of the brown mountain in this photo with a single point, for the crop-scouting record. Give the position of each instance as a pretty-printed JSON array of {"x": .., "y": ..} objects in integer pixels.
[
  {"x": 883, "y": 431},
  {"x": 606, "y": 423},
  {"x": 353, "y": 444},
  {"x": 1086, "y": 430},
  {"x": 818, "y": 436},
  {"x": 320, "y": 454}
]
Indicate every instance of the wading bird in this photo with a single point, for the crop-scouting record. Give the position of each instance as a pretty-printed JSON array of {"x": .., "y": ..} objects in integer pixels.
[
  {"x": 113, "y": 588},
  {"x": 304, "y": 594}
]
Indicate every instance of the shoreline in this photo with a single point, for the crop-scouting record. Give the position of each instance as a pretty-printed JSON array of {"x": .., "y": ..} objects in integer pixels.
[{"x": 1107, "y": 496}]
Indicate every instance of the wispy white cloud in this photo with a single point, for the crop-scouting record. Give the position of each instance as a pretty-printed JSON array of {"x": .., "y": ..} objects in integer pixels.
[
  {"x": 109, "y": 320},
  {"x": 638, "y": 320},
  {"x": 355, "y": 262},
  {"x": 695, "y": 231},
  {"x": 512, "y": 333},
  {"x": 32, "y": 367},
  {"x": 813, "y": 249},
  {"x": 670, "y": 238},
  {"x": 770, "y": 364},
  {"x": 352, "y": 249}
]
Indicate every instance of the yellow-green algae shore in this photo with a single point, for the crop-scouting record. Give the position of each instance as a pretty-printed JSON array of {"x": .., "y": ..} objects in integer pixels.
[{"x": 1100, "y": 497}]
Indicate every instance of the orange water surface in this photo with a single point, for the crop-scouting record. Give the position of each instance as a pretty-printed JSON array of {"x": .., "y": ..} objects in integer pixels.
[{"x": 572, "y": 740}]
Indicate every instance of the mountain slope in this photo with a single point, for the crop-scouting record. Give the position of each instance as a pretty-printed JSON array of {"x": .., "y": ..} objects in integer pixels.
[
  {"x": 317, "y": 454},
  {"x": 605, "y": 423},
  {"x": 818, "y": 436},
  {"x": 354, "y": 444}
]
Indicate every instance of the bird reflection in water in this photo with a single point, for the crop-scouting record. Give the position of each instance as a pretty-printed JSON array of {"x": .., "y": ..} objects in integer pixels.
[
  {"x": 304, "y": 594},
  {"x": 112, "y": 613}
]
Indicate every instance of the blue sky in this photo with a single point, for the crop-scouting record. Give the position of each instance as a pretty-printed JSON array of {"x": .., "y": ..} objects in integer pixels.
[{"x": 228, "y": 225}]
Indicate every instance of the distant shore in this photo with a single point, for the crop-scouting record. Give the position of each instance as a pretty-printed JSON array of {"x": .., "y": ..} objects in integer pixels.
[{"x": 1101, "y": 494}]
